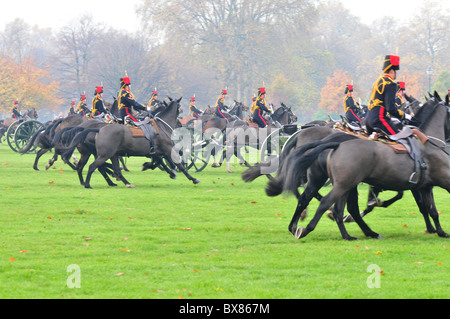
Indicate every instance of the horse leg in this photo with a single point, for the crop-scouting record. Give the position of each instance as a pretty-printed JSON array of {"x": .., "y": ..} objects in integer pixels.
[
  {"x": 428, "y": 201},
  {"x": 81, "y": 164},
  {"x": 326, "y": 202},
  {"x": 303, "y": 200},
  {"x": 41, "y": 152},
  {"x": 338, "y": 213},
  {"x": 423, "y": 210},
  {"x": 118, "y": 172},
  {"x": 353, "y": 209},
  {"x": 104, "y": 171},
  {"x": 51, "y": 161}
]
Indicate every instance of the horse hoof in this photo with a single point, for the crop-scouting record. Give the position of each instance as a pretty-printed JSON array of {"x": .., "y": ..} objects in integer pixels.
[
  {"x": 47, "y": 167},
  {"x": 230, "y": 171},
  {"x": 215, "y": 165},
  {"x": 130, "y": 186},
  {"x": 299, "y": 232},
  {"x": 195, "y": 181}
]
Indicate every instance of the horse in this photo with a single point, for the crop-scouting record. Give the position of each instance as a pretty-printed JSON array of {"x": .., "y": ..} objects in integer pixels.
[
  {"x": 211, "y": 121},
  {"x": 239, "y": 136},
  {"x": 116, "y": 140},
  {"x": 44, "y": 139},
  {"x": 354, "y": 161}
]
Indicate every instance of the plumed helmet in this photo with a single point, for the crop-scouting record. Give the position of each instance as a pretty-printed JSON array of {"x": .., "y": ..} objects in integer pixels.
[
  {"x": 391, "y": 62},
  {"x": 125, "y": 81},
  {"x": 83, "y": 97},
  {"x": 98, "y": 89},
  {"x": 348, "y": 88},
  {"x": 261, "y": 91},
  {"x": 224, "y": 91}
]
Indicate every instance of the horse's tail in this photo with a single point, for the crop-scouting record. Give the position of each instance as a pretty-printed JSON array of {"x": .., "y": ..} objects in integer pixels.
[
  {"x": 275, "y": 186},
  {"x": 274, "y": 165},
  {"x": 299, "y": 162},
  {"x": 66, "y": 134},
  {"x": 66, "y": 152}
]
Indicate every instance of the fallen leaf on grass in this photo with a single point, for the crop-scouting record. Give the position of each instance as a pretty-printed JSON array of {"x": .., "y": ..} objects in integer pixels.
[
  {"x": 379, "y": 252},
  {"x": 51, "y": 182},
  {"x": 12, "y": 259},
  {"x": 418, "y": 262},
  {"x": 23, "y": 251},
  {"x": 185, "y": 228},
  {"x": 124, "y": 249},
  {"x": 120, "y": 274}
]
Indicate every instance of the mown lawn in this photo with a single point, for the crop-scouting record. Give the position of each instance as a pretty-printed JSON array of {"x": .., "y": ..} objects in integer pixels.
[{"x": 220, "y": 239}]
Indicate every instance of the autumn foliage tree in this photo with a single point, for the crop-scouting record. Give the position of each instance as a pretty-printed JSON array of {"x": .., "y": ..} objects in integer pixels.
[
  {"x": 332, "y": 94},
  {"x": 26, "y": 83}
]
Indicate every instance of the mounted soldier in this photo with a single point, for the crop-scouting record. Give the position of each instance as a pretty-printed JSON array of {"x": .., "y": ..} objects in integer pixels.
[
  {"x": 258, "y": 107},
  {"x": 97, "y": 103},
  {"x": 351, "y": 109},
  {"x": 126, "y": 100},
  {"x": 382, "y": 99},
  {"x": 193, "y": 110},
  {"x": 153, "y": 103},
  {"x": 82, "y": 108},
  {"x": 399, "y": 95},
  {"x": 72, "y": 108},
  {"x": 220, "y": 106},
  {"x": 15, "y": 113}
]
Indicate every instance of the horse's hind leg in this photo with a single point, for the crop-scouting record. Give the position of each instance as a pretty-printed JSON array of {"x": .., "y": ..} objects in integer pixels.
[
  {"x": 118, "y": 172},
  {"x": 338, "y": 213},
  {"x": 41, "y": 152},
  {"x": 353, "y": 209},
  {"x": 428, "y": 201},
  {"x": 332, "y": 197},
  {"x": 418, "y": 196}
]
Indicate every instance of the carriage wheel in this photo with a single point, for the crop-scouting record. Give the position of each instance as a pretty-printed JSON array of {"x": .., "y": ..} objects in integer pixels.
[
  {"x": 24, "y": 132},
  {"x": 10, "y": 135},
  {"x": 197, "y": 156},
  {"x": 271, "y": 147}
]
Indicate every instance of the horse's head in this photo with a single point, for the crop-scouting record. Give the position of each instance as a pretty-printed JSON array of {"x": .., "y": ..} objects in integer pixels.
[{"x": 292, "y": 118}]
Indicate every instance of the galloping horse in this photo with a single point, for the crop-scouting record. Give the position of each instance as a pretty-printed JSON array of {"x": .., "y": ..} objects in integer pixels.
[
  {"x": 352, "y": 162},
  {"x": 239, "y": 136},
  {"x": 117, "y": 140}
]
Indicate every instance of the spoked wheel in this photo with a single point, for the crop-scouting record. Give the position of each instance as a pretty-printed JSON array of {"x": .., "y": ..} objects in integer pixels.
[
  {"x": 10, "y": 135},
  {"x": 24, "y": 132},
  {"x": 196, "y": 156},
  {"x": 271, "y": 147}
]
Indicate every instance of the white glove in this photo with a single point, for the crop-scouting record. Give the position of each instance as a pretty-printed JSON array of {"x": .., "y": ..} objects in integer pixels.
[{"x": 408, "y": 117}]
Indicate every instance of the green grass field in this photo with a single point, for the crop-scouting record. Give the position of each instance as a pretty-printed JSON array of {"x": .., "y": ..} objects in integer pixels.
[{"x": 220, "y": 239}]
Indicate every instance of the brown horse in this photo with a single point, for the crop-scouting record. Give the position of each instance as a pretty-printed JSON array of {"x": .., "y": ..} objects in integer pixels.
[
  {"x": 116, "y": 140},
  {"x": 351, "y": 162}
]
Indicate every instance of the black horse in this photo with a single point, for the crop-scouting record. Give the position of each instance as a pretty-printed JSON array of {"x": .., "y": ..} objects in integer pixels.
[{"x": 352, "y": 162}]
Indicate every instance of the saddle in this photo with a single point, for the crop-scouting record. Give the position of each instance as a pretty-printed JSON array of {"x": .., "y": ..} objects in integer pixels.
[
  {"x": 409, "y": 140},
  {"x": 146, "y": 128}
]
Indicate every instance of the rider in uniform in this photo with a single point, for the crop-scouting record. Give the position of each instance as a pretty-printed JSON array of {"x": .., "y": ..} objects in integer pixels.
[
  {"x": 351, "y": 109},
  {"x": 72, "y": 108},
  {"x": 126, "y": 100},
  {"x": 193, "y": 110},
  {"x": 382, "y": 99},
  {"x": 220, "y": 105},
  {"x": 82, "y": 108},
  {"x": 258, "y": 107},
  {"x": 153, "y": 101},
  {"x": 400, "y": 93},
  {"x": 97, "y": 103},
  {"x": 15, "y": 114}
]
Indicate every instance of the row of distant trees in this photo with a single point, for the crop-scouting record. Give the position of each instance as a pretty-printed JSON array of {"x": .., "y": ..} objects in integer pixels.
[{"x": 303, "y": 53}]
